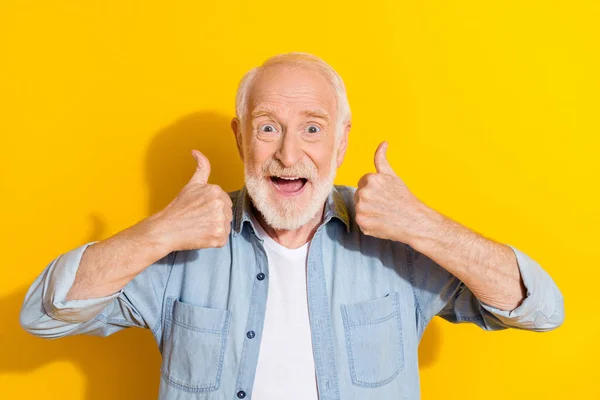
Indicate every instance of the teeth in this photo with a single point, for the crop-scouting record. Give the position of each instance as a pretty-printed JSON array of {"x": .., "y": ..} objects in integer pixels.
[{"x": 288, "y": 178}]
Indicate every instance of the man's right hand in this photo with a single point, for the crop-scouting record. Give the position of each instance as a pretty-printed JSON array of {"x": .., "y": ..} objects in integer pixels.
[{"x": 199, "y": 217}]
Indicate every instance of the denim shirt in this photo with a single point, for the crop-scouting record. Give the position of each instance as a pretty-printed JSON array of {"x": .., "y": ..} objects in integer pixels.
[{"x": 369, "y": 302}]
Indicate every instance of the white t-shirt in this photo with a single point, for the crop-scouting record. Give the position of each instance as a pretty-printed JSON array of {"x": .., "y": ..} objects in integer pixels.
[{"x": 286, "y": 368}]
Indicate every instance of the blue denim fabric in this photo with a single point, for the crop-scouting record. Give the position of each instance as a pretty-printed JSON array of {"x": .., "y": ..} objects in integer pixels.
[{"x": 369, "y": 302}]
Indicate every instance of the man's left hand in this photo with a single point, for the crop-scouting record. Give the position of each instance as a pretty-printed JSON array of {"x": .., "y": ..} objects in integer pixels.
[{"x": 385, "y": 208}]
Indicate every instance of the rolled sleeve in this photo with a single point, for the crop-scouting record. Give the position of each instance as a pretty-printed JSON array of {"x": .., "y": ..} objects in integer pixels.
[
  {"x": 543, "y": 307},
  {"x": 61, "y": 276}
]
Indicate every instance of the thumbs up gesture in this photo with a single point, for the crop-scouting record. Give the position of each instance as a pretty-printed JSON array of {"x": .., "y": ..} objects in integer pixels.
[
  {"x": 385, "y": 208},
  {"x": 199, "y": 217}
]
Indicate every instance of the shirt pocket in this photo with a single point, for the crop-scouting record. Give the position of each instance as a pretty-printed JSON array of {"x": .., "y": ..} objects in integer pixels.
[
  {"x": 194, "y": 349},
  {"x": 374, "y": 345}
]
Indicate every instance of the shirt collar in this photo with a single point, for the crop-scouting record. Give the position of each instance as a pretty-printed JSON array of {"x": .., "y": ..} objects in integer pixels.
[{"x": 334, "y": 208}]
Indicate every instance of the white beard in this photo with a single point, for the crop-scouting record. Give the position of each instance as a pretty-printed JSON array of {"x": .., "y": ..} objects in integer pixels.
[{"x": 288, "y": 215}]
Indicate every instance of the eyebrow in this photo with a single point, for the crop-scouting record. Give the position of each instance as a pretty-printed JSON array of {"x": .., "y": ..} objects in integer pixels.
[
  {"x": 315, "y": 112},
  {"x": 264, "y": 110}
]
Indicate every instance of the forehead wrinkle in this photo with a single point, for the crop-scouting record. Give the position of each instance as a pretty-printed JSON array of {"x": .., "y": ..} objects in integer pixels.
[
  {"x": 313, "y": 104},
  {"x": 293, "y": 92},
  {"x": 289, "y": 94},
  {"x": 280, "y": 106},
  {"x": 273, "y": 85},
  {"x": 277, "y": 101}
]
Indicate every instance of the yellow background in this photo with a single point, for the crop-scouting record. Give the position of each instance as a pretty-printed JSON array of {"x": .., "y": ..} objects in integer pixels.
[{"x": 490, "y": 108}]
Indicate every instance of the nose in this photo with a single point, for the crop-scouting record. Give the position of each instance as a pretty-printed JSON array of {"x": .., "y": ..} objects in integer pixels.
[{"x": 290, "y": 150}]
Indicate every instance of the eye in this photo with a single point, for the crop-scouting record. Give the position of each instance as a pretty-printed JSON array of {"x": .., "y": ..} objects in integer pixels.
[
  {"x": 313, "y": 129},
  {"x": 268, "y": 128}
]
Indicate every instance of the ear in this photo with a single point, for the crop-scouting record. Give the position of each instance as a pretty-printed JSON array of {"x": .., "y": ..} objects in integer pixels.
[
  {"x": 343, "y": 143},
  {"x": 236, "y": 127}
]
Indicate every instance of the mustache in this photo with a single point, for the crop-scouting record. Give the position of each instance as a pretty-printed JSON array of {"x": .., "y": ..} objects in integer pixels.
[{"x": 302, "y": 169}]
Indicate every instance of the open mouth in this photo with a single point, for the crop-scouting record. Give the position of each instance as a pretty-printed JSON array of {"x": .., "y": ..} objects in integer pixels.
[{"x": 289, "y": 185}]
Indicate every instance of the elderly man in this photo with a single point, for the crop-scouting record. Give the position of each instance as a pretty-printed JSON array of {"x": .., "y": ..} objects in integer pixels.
[{"x": 292, "y": 287}]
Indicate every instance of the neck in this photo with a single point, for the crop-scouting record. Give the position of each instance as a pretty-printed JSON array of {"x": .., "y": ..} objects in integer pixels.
[{"x": 292, "y": 239}]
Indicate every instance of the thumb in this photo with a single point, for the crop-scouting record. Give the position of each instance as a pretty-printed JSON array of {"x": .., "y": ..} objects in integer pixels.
[
  {"x": 381, "y": 163},
  {"x": 202, "y": 169}
]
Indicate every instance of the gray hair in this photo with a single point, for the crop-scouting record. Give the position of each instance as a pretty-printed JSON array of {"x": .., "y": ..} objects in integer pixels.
[{"x": 299, "y": 59}]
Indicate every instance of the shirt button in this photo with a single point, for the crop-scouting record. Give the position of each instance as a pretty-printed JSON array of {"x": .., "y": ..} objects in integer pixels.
[
  {"x": 260, "y": 276},
  {"x": 241, "y": 394},
  {"x": 250, "y": 334}
]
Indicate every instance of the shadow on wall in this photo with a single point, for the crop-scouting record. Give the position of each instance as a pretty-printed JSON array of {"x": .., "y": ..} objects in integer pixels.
[
  {"x": 170, "y": 164},
  {"x": 126, "y": 365}
]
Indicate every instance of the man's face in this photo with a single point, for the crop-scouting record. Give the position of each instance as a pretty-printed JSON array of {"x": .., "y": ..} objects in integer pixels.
[{"x": 288, "y": 144}]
